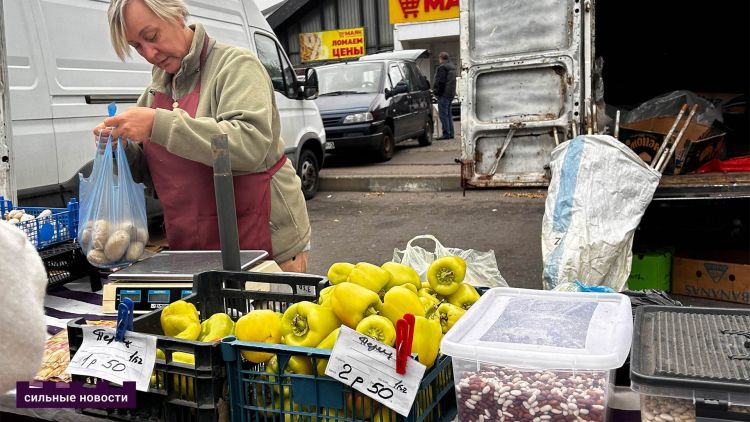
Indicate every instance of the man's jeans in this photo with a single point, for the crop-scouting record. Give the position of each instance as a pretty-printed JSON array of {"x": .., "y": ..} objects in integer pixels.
[{"x": 446, "y": 119}]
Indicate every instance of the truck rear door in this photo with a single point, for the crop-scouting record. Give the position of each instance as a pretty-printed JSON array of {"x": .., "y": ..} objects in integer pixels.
[{"x": 523, "y": 86}]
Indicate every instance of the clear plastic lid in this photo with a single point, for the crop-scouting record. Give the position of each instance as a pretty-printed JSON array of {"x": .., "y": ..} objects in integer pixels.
[{"x": 539, "y": 329}]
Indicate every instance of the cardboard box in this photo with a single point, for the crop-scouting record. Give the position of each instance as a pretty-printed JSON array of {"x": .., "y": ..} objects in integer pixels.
[
  {"x": 651, "y": 270},
  {"x": 699, "y": 145},
  {"x": 727, "y": 279}
]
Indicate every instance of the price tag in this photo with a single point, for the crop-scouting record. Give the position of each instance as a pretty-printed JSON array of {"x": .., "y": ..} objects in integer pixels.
[
  {"x": 102, "y": 357},
  {"x": 369, "y": 367}
]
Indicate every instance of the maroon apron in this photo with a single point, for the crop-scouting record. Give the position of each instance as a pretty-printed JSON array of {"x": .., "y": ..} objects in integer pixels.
[{"x": 186, "y": 191}]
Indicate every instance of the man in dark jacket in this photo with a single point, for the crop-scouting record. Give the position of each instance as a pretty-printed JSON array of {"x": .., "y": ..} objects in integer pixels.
[{"x": 445, "y": 90}]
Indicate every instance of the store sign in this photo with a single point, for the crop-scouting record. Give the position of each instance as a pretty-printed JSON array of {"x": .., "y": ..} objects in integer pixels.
[
  {"x": 332, "y": 45},
  {"x": 405, "y": 11}
]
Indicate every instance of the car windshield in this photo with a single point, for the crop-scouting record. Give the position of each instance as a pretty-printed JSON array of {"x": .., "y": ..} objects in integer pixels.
[{"x": 352, "y": 78}]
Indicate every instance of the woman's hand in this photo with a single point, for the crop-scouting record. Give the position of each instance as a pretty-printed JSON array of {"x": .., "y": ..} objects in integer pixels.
[{"x": 133, "y": 124}]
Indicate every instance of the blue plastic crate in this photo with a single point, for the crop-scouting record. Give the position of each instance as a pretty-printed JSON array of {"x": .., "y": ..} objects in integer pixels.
[
  {"x": 62, "y": 225},
  {"x": 255, "y": 395}
]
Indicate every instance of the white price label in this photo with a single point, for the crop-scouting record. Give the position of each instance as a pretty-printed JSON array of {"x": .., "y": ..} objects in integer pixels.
[
  {"x": 369, "y": 367},
  {"x": 115, "y": 361}
]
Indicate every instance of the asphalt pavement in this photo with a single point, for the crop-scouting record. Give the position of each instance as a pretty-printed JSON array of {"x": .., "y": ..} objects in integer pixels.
[{"x": 366, "y": 209}]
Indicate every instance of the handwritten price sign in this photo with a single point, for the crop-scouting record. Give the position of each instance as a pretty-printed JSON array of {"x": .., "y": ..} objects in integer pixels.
[
  {"x": 369, "y": 367},
  {"x": 102, "y": 357}
]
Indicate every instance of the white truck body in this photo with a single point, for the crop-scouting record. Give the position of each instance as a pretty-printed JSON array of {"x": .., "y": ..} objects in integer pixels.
[{"x": 63, "y": 72}]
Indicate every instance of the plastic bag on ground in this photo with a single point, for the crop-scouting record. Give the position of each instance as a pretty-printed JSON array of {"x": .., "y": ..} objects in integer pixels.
[
  {"x": 597, "y": 196},
  {"x": 481, "y": 267},
  {"x": 113, "y": 228}
]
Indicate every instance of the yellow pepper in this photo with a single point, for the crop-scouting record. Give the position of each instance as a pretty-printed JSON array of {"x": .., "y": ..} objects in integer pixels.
[
  {"x": 446, "y": 274},
  {"x": 360, "y": 404},
  {"x": 184, "y": 385},
  {"x": 448, "y": 315},
  {"x": 464, "y": 297},
  {"x": 428, "y": 293},
  {"x": 180, "y": 320},
  {"x": 216, "y": 327},
  {"x": 428, "y": 303},
  {"x": 379, "y": 328},
  {"x": 411, "y": 288},
  {"x": 325, "y": 296},
  {"x": 299, "y": 365},
  {"x": 307, "y": 324},
  {"x": 352, "y": 303},
  {"x": 369, "y": 276},
  {"x": 401, "y": 275},
  {"x": 400, "y": 300},
  {"x": 327, "y": 344},
  {"x": 260, "y": 325},
  {"x": 339, "y": 272},
  {"x": 427, "y": 336}
]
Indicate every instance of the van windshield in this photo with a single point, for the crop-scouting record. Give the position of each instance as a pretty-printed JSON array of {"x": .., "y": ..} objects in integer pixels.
[{"x": 352, "y": 78}]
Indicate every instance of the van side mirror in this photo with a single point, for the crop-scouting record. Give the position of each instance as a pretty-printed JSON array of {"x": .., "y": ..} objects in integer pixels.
[
  {"x": 309, "y": 89},
  {"x": 400, "y": 88}
]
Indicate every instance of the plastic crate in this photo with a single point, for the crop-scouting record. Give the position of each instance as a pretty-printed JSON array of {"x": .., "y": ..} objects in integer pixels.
[
  {"x": 61, "y": 226},
  {"x": 256, "y": 396},
  {"x": 197, "y": 393},
  {"x": 66, "y": 262}
]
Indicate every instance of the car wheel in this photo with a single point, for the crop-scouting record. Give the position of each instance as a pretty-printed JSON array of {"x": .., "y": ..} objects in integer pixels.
[
  {"x": 426, "y": 138},
  {"x": 308, "y": 172},
  {"x": 387, "y": 145}
]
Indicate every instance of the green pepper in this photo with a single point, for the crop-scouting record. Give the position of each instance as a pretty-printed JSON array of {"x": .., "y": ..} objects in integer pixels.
[
  {"x": 339, "y": 272},
  {"x": 370, "y": 276},
  {"x": 464, "y": 297},
  {"x": 307, "y": 324},
  {"x": 446, "y": 274}
]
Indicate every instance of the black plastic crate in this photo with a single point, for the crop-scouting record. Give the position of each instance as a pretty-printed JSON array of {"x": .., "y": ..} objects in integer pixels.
[
  {"x": 66, "y": 262},
  {"x": 198, "y": 393}
]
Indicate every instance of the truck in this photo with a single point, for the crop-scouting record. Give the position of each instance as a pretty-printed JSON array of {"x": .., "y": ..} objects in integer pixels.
[{"x": 530, "y": 80}]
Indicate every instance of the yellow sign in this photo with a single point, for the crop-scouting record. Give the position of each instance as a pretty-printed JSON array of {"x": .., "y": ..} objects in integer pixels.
[
  {"x": 331, "y": 45},
  {"x": 405, "y": 11}
]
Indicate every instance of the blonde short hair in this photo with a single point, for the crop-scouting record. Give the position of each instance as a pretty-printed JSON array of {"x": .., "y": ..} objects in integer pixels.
[{"x": 168, "y": 10}]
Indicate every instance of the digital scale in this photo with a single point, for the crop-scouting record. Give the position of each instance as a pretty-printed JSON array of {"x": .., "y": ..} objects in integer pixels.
[{"x": 167, "y": 276}]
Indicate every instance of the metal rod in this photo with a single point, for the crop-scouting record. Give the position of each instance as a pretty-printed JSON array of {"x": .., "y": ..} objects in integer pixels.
[
  {"x": 502, "y": 151},
  {"x": 574, "y": 129},
  {"x": 557, "y": 138},
  {"x": 617, "y": 125},
  {"x": 678, "y": 139},
  {"x": 664, "y": 143},
  {"x": 593, "y": 118},
  {"x": 225, "y": 207},
  {"x": 589, "y": 124}
]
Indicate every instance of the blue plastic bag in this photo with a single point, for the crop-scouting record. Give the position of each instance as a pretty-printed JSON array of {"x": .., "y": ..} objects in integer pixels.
[{"x": 114, "y": 230}]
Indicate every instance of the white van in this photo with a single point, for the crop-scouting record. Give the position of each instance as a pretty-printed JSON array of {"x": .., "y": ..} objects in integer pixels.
[{"x": 63, "y": 72}]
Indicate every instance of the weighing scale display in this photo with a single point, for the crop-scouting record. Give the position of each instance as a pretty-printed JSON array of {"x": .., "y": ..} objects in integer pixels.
[
  {"x": 158, "y": 296},
  {"x": 185, "y": 293},
  {"x": 134, "y": 295}
]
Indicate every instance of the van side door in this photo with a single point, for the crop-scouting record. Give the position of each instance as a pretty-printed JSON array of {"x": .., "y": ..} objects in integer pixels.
[
  {"x": 420, "y": 99},
  {"x": 284, "y": 83},
  {"x": 400, "y": 107}
]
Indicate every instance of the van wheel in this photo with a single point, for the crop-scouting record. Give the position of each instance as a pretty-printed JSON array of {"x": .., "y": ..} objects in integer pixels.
[
  {"x": 426, "y": 138},
  {"x": 387, "y": 145},
  {"x": 308, "y": 172}
]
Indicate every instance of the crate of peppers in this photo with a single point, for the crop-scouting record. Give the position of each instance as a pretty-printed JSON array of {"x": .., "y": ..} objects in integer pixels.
[{"x": 276, "y": 361}]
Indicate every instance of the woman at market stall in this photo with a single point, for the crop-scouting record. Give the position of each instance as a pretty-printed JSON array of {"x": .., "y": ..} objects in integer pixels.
[{"x": 199, "y": 88}]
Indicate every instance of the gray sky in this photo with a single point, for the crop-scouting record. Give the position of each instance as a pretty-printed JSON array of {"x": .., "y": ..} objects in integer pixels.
[{"x": 264, "y": 4}]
